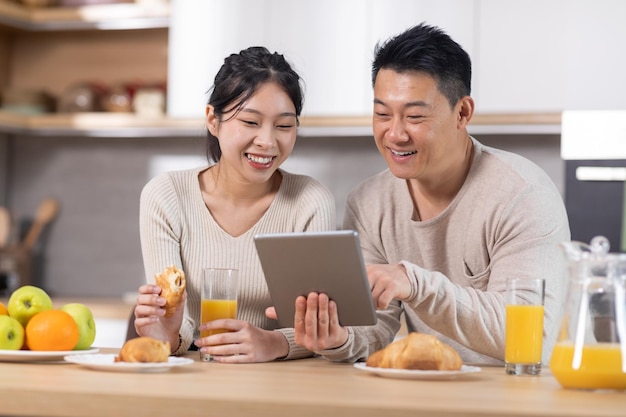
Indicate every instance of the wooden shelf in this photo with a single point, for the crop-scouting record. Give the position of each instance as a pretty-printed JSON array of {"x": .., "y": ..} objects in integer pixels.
[
  {"x": 483, "y": 124},
  {"x": 130, "y": 125},
  {"x": 123, "y": 16},
  {"x": 99, "y": 125}
]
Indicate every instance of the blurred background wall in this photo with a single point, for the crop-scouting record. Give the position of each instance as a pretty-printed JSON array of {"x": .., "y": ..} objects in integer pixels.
[{"x": 530, "y": 57}]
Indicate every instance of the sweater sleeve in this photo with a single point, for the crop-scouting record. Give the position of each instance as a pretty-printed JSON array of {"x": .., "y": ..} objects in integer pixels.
[
  {"x": 160, "y": 228},
  {"x": 523, "y": 245}
]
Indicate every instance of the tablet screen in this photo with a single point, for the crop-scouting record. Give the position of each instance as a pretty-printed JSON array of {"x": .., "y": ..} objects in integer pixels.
[{"x": 325, "y": 262}]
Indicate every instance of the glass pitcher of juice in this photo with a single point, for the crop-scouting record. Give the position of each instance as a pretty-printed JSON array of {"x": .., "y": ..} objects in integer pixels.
[{"x": 590, "y": 352}]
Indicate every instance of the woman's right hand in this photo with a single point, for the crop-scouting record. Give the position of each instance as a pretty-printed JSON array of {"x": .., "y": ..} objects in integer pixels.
[{"x": 149, "y": 316}]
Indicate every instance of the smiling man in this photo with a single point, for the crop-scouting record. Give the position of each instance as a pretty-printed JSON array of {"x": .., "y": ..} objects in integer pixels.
[{"x": 449, "y": 220}]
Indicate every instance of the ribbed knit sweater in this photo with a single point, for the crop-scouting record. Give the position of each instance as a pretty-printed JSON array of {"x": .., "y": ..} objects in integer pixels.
[
  {"x": 507, "y": 220},
  {"x": 177, "y": 228}
]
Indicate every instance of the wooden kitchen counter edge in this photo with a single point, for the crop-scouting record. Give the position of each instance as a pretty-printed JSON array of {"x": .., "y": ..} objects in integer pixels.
[{"x": 309, "y": 387}]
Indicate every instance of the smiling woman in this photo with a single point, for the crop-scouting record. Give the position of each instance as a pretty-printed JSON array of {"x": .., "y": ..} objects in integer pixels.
[{"x": 207, "y": 217}]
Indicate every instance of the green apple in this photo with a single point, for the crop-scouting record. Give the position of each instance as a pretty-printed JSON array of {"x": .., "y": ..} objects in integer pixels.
[
  {"x": 11, "y": 333},
  {"x": 27, "y": 301},
  {"x": 83, "y": 317}
]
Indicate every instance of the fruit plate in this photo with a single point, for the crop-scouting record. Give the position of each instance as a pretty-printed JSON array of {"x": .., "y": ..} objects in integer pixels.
[
  {"x": 41, "y": 355},
  {"x": 106, "y": 362},
  {"x": 417, "y": 374}
]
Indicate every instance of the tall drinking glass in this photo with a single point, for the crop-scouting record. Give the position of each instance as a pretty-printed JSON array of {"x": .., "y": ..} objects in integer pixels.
[
  {"x": 524, "y": 325},
  {"x": 219, "y": 299}
]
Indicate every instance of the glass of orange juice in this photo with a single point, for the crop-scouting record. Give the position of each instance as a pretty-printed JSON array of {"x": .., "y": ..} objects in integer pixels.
[
  {"x": 524, "y": 325},
  {"x": 219, "y": 299}
]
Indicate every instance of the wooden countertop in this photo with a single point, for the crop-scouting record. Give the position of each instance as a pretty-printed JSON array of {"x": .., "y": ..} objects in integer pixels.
[{"x": 310, "y": 387}]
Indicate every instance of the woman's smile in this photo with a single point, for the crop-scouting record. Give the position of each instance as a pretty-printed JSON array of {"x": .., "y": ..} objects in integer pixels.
[{"x": 260, "y": 161}]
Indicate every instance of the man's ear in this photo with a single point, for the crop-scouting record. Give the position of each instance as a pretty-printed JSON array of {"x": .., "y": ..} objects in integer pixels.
[
  {"x": 211, "y": 120},
  {"x": 465, "y": 111}
]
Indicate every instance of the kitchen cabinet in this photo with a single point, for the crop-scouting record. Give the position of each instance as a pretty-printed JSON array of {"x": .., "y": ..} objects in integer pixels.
[
  {"x": 548, "y": 56},
  {"x": 529, "y": 57},
  {"x": 330, "y": 43}
]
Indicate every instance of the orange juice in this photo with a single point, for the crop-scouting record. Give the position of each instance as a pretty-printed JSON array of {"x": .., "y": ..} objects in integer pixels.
[
  {"x": 524, "y": 334},
  {"x": 601, "y": 366},
  {"x": 217, "y": 309}
]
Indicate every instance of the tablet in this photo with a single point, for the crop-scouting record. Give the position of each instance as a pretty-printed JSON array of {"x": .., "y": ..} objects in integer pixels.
[{"x": 325, "y": 262}]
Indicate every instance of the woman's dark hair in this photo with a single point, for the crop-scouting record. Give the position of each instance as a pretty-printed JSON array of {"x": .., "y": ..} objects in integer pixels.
[
  {"x": 428, "y": 50},
  {"x": 240, "y": 76}
]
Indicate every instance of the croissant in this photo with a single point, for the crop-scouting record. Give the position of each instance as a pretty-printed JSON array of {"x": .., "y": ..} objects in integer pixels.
[
  {"x": 144, "y": 349},
  {"x": 417, "y": 351},
  {"x": 173, "y": 283}
]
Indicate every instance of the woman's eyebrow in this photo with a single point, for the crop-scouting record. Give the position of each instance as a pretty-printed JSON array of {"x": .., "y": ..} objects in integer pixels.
[{"x": 284, "y": 114}]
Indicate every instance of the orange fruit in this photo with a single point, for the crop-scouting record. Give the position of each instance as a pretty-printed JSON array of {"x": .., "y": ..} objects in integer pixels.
[
  {"x": 3, "y": 310},
  {"x": 52, "y": 330}
]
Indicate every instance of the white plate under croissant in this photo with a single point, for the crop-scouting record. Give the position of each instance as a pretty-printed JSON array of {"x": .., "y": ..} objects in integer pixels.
[
  {"x": 417, "y": 356},
  {"x": 418, "y": 374},
  {"x": 106, "y": 362}
]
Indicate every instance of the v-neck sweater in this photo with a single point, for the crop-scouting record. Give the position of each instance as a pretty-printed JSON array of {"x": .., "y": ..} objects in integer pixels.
[{"x": 177, "y": 228}]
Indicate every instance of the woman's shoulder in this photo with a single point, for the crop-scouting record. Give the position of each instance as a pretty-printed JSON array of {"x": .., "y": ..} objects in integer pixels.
[
  {"x": 171, "y": 184},
  {"x": 181, "y": 178}
]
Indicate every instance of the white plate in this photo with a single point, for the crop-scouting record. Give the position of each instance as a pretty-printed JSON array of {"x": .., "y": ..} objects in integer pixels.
[
  {"x": 40, "y": 355},
  {"x": 417, "y": 374},
  {"x": 106, "y": 362}
]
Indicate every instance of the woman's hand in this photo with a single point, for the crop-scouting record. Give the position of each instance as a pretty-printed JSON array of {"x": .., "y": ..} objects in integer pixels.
[
  {"x": 242, "y": 343},
  {"x": 149, "y": 316},
  {"x": 316, "y": 323}
]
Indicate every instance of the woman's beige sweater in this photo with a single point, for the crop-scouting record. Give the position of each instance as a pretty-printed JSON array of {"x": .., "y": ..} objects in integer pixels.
[{"x": 177, "y": 228}]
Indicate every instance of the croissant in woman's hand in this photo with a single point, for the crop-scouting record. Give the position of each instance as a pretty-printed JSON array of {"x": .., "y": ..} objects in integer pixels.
[
  {"x": 173, "y": 283},
  {"x": 417, "y": 351}
]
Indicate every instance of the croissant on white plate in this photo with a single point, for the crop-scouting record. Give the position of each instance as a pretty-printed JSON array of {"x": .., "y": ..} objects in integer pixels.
[
  {"x": 144, "y": 349},
  {"x": 417, "y": 351}
]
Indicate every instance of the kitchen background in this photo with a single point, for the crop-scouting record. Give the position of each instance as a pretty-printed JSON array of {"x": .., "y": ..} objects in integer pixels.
[{"x": 532, "y": 61}]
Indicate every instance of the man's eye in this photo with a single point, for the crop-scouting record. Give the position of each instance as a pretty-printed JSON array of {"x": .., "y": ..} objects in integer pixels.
[
  {"x": 285, "y": 126},
  {"x": 249, "y": 122},
  {"x": 381, "y": 114}
]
